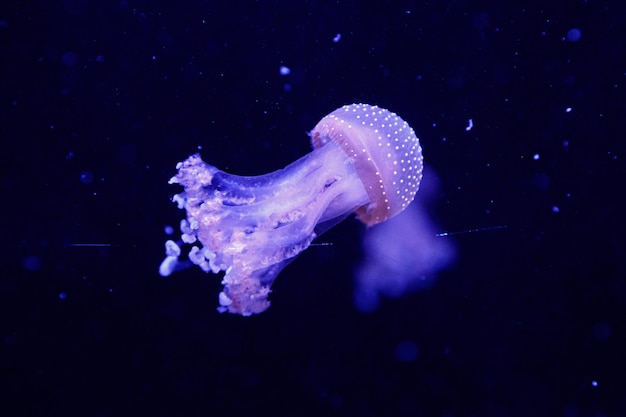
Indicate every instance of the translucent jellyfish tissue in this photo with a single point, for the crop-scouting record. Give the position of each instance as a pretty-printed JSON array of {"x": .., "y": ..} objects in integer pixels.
[{"x": 365, "y": 160}]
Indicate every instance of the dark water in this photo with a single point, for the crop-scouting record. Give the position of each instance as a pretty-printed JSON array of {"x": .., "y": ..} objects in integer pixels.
[{"x": 519, "y": 107}]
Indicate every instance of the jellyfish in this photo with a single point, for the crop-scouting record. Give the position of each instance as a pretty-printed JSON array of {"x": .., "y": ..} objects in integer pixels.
[
  {"x": 403, "y": 254},
  {"x": 365, "y": 160}
]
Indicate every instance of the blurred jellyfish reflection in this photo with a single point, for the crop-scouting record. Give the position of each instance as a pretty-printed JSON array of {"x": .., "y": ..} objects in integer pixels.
[
  {"x": 402, "y": 254},
  {"x": 365, "y": 160}
]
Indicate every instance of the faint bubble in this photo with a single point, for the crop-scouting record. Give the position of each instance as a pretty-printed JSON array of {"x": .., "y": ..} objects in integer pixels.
[
  {"x": 99, "y": 58},
  {"x": 69, "y": 59},
  {"x": 169, "y": 230},
  {"x": 32, "y": 263},
  {"x": 574, "y": 34},
  {"x": 86, "y": 177},
  {"x": 287, "y": 88},
  {"x": 406, "y": 351},
  {"x": 62, "y": 296},
  {"x": 602, "y": 331},
  {"x": 555, "y": 209},
  {"x": 4, "y": 24}
]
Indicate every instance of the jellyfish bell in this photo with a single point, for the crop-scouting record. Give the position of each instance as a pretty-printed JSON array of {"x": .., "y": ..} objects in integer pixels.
[
  {"x": 365, "y": 160},
  {"x": 385, "y": 152}
]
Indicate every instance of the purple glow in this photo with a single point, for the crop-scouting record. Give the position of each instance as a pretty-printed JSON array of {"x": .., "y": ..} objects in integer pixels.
[
  {"x": 402, "y": 254},
  {"x": 365, "y": 159}
]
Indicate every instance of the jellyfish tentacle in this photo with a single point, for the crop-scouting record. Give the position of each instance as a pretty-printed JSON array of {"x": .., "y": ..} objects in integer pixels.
[{"x": 252, "y": 229}]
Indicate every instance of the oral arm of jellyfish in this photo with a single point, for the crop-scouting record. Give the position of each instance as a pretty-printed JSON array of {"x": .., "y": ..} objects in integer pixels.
[{"x": 365, "y": 160}]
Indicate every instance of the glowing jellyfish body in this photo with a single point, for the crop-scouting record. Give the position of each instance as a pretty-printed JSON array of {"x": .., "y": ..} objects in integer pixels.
[{"x": 365, "y": 159}]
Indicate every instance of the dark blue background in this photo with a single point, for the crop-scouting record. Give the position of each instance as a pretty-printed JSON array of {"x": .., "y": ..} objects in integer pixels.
[{"x": 529, "y": 320}]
